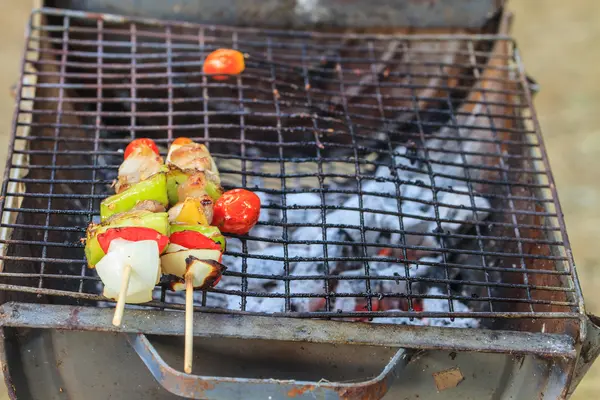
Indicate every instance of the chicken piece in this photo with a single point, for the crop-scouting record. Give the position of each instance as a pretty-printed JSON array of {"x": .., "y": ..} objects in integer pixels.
[
  {"x": 150, "y": 205},
  {"x": 192, "y": 171},
  {"x": 191, "y": 155},
  {"x": 193, "y": 186},
  {"x": 140, "y": 164},
  {"x": 190, "y": 183}
]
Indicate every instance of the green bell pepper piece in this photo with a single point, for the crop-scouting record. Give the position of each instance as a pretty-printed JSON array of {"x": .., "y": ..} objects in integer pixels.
[
  {"x": 214, "y": 190},
  {"x": 138, "y": 218},
  {"x": 175, "y": 177},
  {"x": 153, "y": 188},
  {"x": 211, "y": 232}
]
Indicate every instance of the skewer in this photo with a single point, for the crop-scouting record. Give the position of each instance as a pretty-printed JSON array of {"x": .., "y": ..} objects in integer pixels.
[
  {"x": 189, "y": 323},
  {"x": 122, "y": 296}
]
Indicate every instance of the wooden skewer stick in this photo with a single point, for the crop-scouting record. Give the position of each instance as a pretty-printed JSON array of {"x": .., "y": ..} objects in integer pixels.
[
  {"x": 122, "y": 295},
  {"x": 189, "y": 323}
]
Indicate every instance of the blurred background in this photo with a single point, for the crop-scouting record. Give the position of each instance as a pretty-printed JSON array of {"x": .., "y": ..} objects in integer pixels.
[{"x": 560, "y": 43}]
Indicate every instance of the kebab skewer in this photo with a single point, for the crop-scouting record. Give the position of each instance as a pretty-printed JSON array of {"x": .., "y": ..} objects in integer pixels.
[
  {"x": 133, "y": 222},
  {"x": 198, "y": 201},
  {"x": 193, "y": 258},
  {"x": 125, "y": 247}
]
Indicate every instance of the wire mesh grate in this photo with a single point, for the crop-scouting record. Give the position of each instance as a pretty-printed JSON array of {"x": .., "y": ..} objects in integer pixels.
[{"x": 402, "y": 176}]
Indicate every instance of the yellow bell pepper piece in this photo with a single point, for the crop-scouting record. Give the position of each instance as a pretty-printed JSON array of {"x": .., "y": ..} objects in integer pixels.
[{"x": 192, "y": 213}]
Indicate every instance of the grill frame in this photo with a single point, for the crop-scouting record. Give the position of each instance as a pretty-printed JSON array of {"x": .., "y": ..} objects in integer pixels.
[
  {"x": 575, "y": 302},
  {"x": 552, "y": 360}
]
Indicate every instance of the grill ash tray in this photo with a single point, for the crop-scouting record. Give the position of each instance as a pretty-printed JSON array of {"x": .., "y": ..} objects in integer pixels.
[{"x": 403, "y": 180}]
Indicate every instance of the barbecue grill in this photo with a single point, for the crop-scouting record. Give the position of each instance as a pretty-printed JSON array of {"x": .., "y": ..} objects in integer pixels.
[{"x": 411, "y": 240}]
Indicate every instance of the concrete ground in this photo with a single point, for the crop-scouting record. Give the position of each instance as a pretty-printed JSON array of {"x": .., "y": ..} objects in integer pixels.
[{"x": 560, "y": 42}]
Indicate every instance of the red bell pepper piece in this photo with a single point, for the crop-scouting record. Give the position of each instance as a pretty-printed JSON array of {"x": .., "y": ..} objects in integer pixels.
[
  {"x": 133, "y": 234},
  {"x": 194, "y": 240}
]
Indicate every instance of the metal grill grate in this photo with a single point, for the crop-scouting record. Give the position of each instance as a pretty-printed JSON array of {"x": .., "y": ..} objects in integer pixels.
[{"x": 312, "y": 125}]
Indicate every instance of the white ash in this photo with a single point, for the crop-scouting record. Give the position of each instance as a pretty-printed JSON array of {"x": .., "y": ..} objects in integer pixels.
[
  {"x": 415, "y": 215},
  {"x": 309, "y": 200}
]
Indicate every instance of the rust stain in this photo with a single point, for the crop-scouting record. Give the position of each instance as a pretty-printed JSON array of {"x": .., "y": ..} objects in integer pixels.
[
  {"x": 300, "y": 391},
  {"x": 204, "y": 385},
  {"x": 195, "y": 387},
  {"x": 96, "y": 16},
  {"x": 371, "y": 392}
]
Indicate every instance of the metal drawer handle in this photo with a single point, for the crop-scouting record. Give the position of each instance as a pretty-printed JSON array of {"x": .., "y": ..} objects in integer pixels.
[{"x": 212, "y": 387}]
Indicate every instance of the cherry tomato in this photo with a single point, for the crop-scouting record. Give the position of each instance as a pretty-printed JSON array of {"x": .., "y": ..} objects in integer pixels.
[
  {"x": 133, "y": 234},
  {"x": 224, "y": 61},
  {"x": 138, "y": 143},
  {"x": 194, "y": 240},
  {"x": 181, "y": 141},
  {"x": 236, "y": 211}
]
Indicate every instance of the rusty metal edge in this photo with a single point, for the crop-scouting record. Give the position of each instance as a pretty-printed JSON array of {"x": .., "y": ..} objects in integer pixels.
[
  {"x": 541, "y": 150},
  {"x": 48, "y": 316}
]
